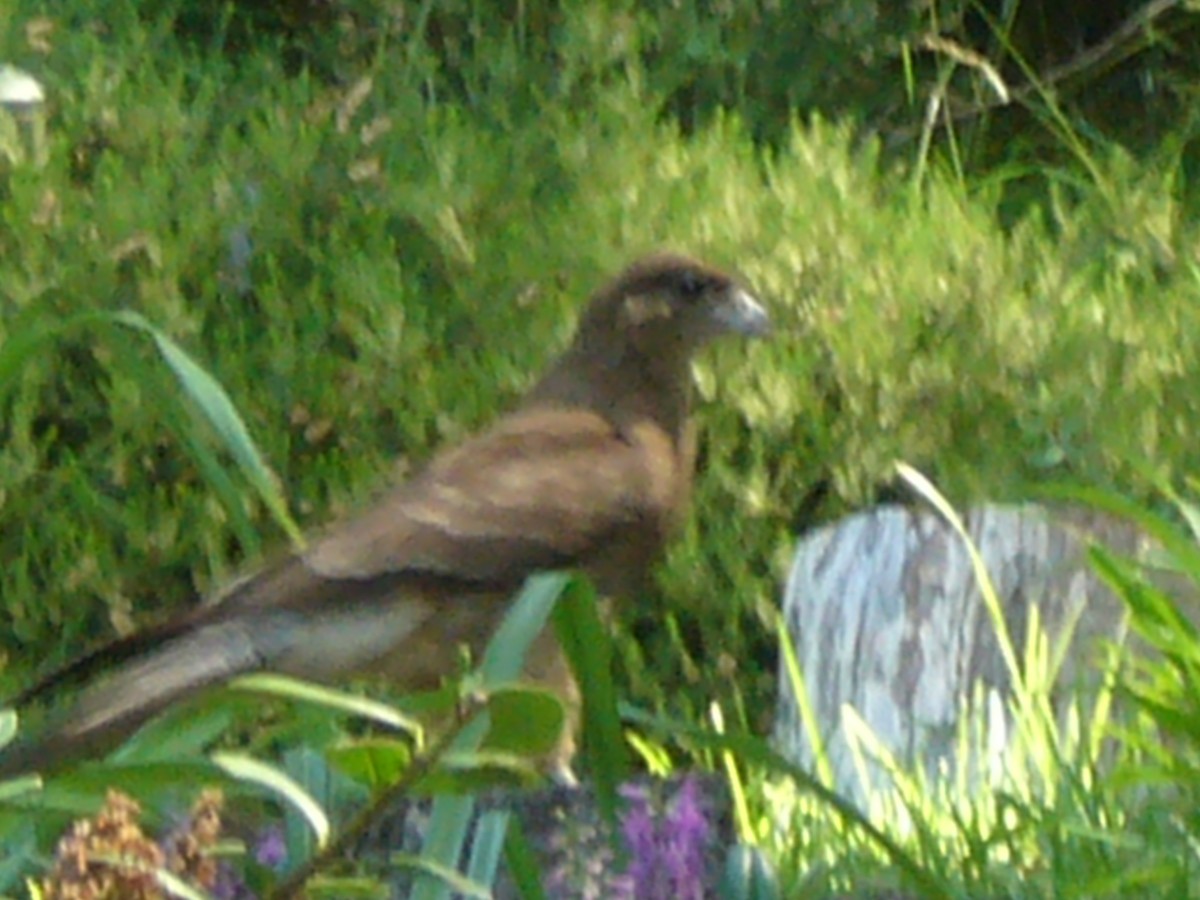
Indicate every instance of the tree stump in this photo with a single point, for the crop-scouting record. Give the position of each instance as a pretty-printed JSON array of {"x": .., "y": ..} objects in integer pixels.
[{"x": 887, "y": 617}]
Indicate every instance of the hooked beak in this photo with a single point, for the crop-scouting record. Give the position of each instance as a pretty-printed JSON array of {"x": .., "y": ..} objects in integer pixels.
[{"x": 741, "y": 313}]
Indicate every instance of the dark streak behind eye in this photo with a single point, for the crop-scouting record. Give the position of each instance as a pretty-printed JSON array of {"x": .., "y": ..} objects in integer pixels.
[
  {"x": 686, "y": 282},
  {"x": 692, "y": 284}
]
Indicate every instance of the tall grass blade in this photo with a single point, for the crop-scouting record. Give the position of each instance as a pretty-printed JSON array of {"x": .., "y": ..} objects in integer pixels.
[
  {"x": 755, "y": 751},
  {"x": 803, "y": 700},
  {"x": 585, "y": 641},
  {"x": 217, "y": 407},
  {"x": 502, "y": 663},
  {"x": 244, "y": 768}
]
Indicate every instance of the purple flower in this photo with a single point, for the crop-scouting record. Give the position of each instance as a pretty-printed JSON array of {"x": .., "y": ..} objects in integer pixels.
[
  {"x": 687, "y": 836},
  {"x": 230, "y": 885},
  {"x": 271, "y": 850},
  {"x": 641, "y": 838},
  {"x": 667, "y": 847}
]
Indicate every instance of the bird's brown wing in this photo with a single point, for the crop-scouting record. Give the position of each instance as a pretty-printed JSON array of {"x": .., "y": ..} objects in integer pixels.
[{"x": 542, "y": 489}]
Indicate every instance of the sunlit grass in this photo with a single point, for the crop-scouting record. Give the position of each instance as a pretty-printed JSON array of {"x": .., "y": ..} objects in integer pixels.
[
  {"x": 1070, "y": 802},
  {"x": 358, "y": 268}
]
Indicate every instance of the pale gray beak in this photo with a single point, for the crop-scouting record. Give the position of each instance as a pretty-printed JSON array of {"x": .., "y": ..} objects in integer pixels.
[{"x": 741, "y": 313}]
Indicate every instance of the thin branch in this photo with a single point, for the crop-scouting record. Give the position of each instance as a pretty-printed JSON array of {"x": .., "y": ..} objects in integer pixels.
[
  {"x": 1123, "y": 42},
  {"x": 1125, "y": 33},
  {"x": 339, "y": 847}
]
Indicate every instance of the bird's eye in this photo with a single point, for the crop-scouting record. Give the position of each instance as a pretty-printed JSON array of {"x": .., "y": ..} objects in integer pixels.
[{"x": 691, "y": 284}]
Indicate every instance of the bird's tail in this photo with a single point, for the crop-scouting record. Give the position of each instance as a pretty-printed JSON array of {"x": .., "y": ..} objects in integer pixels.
[{"x": 145, "y": 684}]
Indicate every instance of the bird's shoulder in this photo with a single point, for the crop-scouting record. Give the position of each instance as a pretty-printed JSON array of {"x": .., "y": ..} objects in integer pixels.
[
  {"x": 539, "y": 489},
  {"x": 551, "y": 443}
]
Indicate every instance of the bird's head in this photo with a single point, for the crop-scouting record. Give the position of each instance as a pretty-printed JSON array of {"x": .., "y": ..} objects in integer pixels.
[{"x": 668, "y": 304}]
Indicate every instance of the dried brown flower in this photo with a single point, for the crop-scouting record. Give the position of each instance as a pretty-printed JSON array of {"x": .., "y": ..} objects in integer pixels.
[
  {"x": 109, "y": 857},
  {"x": 106, "y": 857},
  {"x": 188, "y": 850}
]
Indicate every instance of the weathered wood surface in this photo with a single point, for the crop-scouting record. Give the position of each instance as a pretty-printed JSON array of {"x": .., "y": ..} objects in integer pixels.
[{"x": 886, "y": 616}]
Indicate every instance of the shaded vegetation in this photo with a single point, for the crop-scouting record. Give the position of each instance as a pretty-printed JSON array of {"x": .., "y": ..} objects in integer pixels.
[
  {"x": 372, "y": 266},
  {"x": 373, "y": 223}
]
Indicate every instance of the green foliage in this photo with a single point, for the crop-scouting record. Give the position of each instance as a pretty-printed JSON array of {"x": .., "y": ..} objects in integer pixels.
[
  {"x": 503, "y": 725},
  {"x": 1165, "y": 685},
  {"x": 982, "y": 76},
  {"x": 748, "y": 876},
  {"x": 371, "y": 271},
  {"x": 375, "y": 241},
  {"x": 1087, "y": 799}
]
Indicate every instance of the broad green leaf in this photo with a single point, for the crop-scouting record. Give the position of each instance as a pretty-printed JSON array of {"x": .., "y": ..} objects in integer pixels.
[
  {"x": 346, "y": 888},
  {"x": 250, "y": 770},
  {"x": 80, "y": 790},
  {"x": 183, "y": 732},
  {"x": 15, "y": 787},
  {"x": 375, "y": 762},
  {"x": 8, "y": 726},
  {"x": 448, "y": 877},
  {"x": 523, "y": 721},
  {"x": 319, "y": 695},
  {"x": 470, "y": 772}
]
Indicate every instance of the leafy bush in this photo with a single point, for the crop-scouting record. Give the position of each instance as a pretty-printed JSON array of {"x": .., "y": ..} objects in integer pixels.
[
  {"x": 371, "y": 271},
  {"x": 376, "y": 241},
  {"x": 1122, "y": 67}
]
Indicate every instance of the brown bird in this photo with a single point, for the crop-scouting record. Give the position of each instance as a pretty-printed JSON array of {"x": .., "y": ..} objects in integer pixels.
[{"x": 591, "y": 472}]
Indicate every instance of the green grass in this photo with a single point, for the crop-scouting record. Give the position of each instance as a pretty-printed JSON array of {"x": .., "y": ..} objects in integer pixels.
[
  {"x": 1093, "y": 800},
  {"x": 419, "y": 245}
]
